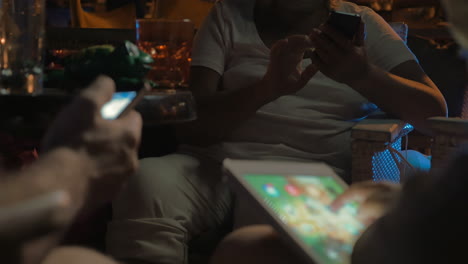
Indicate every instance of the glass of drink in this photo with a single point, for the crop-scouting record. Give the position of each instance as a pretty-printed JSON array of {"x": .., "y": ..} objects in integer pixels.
[
  {"x": 22, "y": 31},
  {"x": 169, "y": 42}
]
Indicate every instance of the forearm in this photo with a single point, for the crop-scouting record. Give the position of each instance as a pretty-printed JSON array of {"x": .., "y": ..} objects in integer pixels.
[
  {"x": 409, "y": 100},
  {"x": 223, "y": 112}
]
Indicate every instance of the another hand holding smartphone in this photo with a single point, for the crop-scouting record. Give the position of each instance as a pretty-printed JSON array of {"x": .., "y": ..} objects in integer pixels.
[
  {"x": 155, "y": 106},
  {"x": 346, "y": 23}
]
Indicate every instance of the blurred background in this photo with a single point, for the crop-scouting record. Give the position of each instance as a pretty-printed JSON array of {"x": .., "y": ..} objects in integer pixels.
[{"x": 414, "y": 12}]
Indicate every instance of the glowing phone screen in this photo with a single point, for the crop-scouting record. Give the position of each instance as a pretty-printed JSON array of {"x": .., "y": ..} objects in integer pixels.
[{"x": 120, "y": 100}]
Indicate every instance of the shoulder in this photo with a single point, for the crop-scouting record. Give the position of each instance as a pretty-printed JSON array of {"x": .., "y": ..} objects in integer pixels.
[
  {"x": 230, "y": 13},
  {"x": 349, "y": 7}
]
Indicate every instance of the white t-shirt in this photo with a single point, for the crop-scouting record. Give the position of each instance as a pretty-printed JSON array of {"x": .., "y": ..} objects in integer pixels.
[{"x": 314, "y": 123}]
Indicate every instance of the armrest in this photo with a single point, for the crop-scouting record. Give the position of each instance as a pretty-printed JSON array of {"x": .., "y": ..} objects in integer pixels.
[
  {"x": 450, "y": 133},
  {"x": 371, "y": 139},
  {"x": 449, "y": 126},
  {"x": 384, "y": 130}
]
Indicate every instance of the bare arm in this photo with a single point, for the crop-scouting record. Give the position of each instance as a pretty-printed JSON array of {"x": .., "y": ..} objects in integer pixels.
[{"x": 406, "y": 91}]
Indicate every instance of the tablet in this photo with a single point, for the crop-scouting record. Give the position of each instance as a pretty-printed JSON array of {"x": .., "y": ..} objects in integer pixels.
[{"x": 294, "y": 198}]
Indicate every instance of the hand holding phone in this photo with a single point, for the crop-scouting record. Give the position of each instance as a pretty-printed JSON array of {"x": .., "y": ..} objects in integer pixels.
[
  {"x": 346, "y": 23},
  {"x": 340, "y": 52}
]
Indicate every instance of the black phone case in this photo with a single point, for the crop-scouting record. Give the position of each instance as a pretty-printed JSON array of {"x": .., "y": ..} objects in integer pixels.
[{"x": 348, "y": 24}]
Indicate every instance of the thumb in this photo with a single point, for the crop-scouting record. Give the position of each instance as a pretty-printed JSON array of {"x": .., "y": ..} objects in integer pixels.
[
  {"x": 100, "y": 91},
  {"x": 361, "y": 35}
]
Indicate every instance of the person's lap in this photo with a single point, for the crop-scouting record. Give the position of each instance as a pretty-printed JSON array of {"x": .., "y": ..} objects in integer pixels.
[
  {"x": 171, "y": 201},
  {"x": 253, "y": 244},
  {"x": 76, "y": 255}
]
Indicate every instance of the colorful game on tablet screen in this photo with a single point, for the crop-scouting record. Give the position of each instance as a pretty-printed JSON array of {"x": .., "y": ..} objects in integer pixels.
[{"x": 302, "y": 203}]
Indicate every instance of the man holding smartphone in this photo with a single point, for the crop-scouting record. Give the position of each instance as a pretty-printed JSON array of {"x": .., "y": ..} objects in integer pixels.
[{"x": 259, "y": 99}]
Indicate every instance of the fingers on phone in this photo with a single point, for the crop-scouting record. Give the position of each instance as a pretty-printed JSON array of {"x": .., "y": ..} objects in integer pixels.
[
  {"x": 323, "y": 43},
  {"x": 336, "y": 37},
  {"x": 317, "y": 61},
  {"x": 299, "y": 42}
]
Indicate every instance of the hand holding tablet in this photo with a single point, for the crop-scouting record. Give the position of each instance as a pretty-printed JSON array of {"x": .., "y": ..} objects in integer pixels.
[{"x": 295, "y": 199}]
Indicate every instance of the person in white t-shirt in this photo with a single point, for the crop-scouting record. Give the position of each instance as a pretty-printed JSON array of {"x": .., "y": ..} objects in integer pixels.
[
  {"x": 258, "y": 98},
  {"x": 421, "y": 222}
]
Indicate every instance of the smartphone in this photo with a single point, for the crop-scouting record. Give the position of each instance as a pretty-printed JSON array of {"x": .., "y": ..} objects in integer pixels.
[
  {"x": 295, "y": 198},
  {"x": 121, "y": 103},
  {"x": 348, "y": 24}
]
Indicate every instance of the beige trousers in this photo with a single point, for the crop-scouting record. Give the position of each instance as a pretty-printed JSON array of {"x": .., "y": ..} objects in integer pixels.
[{"x": 171, "y": 201}]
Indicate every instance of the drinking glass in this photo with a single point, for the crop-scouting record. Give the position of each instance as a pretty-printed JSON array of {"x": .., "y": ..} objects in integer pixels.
[
  {"x": 169, "y": 42},
  {"x": 22, "y": 31}
]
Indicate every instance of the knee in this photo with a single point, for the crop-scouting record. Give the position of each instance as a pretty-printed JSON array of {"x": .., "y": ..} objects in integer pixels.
[
  {"x": 157, "y": 181},
  {"x": 153, "y": 176},
  {"x": 254, "y": 244}
]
